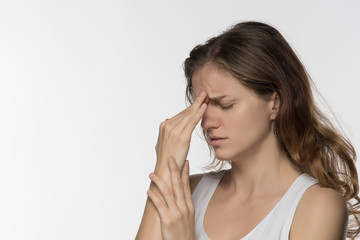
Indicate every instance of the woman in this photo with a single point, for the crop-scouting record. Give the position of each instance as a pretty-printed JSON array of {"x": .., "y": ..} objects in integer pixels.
[{"x": 292, "y": 174}]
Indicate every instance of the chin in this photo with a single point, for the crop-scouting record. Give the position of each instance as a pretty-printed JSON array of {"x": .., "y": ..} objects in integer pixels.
[
  {"x": 224, "y": 155},
  {"x": 228, "y": 155}
]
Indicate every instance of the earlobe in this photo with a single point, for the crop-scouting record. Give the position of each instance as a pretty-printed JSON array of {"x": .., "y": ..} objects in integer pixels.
[{"x": 273, "y": 116}]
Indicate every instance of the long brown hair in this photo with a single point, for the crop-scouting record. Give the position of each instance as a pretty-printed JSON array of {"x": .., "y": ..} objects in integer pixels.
[{"x": 260, "y": 58}]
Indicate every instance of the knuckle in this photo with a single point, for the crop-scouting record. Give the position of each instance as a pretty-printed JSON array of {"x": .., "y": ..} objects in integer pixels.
[
  {"x": 186, "y": 211},
  {"x": 168, "y": 221},
  {"x": 167, "y": 127},
  {"x": 167, "y": 192},
  {"x": 164, "y": 123},
  {"x": 175, "y": 133},
  {"x": 184, "y": 138},
  {"x": 157, "y": 180},
  {"x": 177, "y": 216}
]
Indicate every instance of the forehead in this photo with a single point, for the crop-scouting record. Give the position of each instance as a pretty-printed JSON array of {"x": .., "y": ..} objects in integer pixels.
[{"x": 215, "y": 82}]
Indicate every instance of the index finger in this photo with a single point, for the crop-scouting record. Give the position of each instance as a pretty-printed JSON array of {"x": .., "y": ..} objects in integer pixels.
[{"x": 199, "y": 100}]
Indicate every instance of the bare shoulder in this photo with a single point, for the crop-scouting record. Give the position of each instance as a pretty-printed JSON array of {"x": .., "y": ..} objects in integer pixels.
[{"x": 321, "y": 214}]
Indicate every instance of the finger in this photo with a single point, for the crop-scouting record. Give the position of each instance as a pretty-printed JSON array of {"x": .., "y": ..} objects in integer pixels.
[
  {"x": 186, "y": 124},
  {"x": 175, "y": 126},
  {"x": 165, "y": 191},
  {"x": 188, "y": 112},
  {"x": 179, "y": 121},
  {"x": 194, "y": 120},
  {"x": 196, "y": 109},
  {"x": 195, "y": 105},
  {"x": 177, "y": 184},
  {"x": 161, "y": 207},
  {"x": 199, "y": 100},
  {"x": 155, "y": 189},
  {"x": 186, "y": 183}
]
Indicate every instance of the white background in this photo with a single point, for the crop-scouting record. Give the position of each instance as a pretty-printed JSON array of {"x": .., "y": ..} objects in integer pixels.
[{"x": 84, "y": 86}]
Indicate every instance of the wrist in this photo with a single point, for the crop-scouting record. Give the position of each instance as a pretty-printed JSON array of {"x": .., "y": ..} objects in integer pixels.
[
  {"x": 162, "y": 169},
  {"x": 164, "y": 174}
]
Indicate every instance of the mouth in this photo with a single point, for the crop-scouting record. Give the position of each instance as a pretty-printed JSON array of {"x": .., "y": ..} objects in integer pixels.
[
  {"x": 216, "y": 141},
  {"x": 213, "y": 137},
  {"x": 216, "y": 138}
]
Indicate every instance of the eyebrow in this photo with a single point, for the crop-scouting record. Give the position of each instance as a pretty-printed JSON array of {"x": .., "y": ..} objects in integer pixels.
[{"x": 216, "y": 99}]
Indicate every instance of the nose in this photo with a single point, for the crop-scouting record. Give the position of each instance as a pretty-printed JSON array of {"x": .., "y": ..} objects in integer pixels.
[{"x": 210, "y": 119}]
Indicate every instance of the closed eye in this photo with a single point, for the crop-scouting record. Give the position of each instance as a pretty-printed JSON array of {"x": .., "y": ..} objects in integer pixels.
[
  {"x": 225, "y": 107},
  {"x": 222, "y": 106}
]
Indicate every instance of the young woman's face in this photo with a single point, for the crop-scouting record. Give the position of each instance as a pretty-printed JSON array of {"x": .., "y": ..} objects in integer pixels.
[{"x": 235, "y": 114}]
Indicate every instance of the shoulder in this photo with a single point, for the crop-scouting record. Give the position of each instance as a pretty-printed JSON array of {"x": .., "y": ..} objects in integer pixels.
[
  {"x": 321, "y": 214},
  {"x": 195, "y": 179}
]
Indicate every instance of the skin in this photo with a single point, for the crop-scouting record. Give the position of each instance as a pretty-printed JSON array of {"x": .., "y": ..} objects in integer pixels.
[
  {"x": 260, "y": 174},
  {"x": 258, "y": 163},
  {"x": 169, "y": 211},
  {"x": 176, "y": 210}
]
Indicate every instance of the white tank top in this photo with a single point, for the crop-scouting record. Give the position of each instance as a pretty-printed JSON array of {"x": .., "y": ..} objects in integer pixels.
[{"x": 275, "y": 226}]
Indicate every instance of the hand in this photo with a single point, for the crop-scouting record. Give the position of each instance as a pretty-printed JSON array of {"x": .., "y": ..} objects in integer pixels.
[
  {"x": 176, "y": 211},
  {"x": 175, "y": 135}
]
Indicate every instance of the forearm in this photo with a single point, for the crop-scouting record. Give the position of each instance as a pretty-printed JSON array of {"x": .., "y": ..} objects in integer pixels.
[
  {"x": 173, "y": 141},
  {"x": 150, "y": 226}
]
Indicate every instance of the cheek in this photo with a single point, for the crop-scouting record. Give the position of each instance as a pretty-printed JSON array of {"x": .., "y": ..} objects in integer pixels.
[{"x": 249, "y": 123}]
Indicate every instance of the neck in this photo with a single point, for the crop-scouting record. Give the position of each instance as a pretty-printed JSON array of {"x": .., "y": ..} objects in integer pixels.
[{"x": 267, "y": 170}]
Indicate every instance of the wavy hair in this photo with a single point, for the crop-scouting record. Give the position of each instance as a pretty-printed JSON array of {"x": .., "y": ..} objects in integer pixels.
[{"x": 260, "y": 58}]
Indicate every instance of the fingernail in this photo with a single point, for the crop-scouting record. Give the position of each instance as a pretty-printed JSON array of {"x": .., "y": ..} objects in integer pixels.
[
  {"x": 203, "y": 105},
  {"x": 202, "y": 94},
  {"x": 151, "y": 175}
]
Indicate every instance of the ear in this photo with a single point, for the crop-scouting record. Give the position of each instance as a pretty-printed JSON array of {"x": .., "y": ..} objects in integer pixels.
[{"x": 274, "y": 105}]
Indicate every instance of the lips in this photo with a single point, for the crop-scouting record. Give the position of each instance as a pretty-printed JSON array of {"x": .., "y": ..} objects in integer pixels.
[
  {"x": 216, "y": 138},
  {"x": 217, "y": 141}
]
